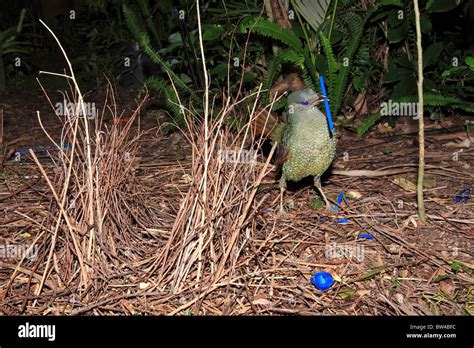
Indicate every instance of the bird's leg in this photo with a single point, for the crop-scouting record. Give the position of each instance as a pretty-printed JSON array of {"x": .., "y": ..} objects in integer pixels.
[
  {"x": 317, "y": 183},
  {"x": 282, "y": 191}
]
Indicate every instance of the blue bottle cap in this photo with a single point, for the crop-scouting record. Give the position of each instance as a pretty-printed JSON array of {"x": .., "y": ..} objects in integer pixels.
[{"x": 322, "y": 280}]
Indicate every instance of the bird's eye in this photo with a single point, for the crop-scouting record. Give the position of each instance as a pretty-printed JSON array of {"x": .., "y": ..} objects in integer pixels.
[{"x": 304, "y": 103}]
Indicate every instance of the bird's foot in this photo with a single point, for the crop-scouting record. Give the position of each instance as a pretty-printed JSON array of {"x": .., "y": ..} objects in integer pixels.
[
  {"x": 282, "y": 211},
  {"x": 328, "y": 205}
]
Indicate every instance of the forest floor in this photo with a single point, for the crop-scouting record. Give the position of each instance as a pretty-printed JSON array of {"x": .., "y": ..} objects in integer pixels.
[{"x": 384, "y": 260}]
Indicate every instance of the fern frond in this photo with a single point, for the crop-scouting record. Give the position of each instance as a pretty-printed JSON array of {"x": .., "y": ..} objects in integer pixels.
[
  {"x": 333, "y": 68},
  {"x": 429, "y": 99},
  {"x": 338, "y": 84},
  {"x": 291, "y": 56},
  {"x": 133, "y": 22},
  {"x": 273, "y": 69},
  {"x": 368, "y": 123},
  {"x": 310, "y": 75},
  {"x": 274, "y": 31},
  {"x": 144, "y": 41},
  {"x": 167, "y": 92},
  {"x": 145, "y": 9}
]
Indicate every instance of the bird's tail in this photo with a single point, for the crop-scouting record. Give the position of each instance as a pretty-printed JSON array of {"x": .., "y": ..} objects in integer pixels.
[
  {"x": 267, "y": 122},
  {"x": 264, "y": 122}
]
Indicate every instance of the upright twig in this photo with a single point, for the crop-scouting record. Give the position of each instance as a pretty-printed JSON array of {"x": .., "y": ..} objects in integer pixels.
[
  {"x": 90, "y": 168},
  {"x": 421, "y": 125}
]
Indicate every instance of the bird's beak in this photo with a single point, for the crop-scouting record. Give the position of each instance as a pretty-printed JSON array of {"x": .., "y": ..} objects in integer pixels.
[{"x": 317, "y": 99}]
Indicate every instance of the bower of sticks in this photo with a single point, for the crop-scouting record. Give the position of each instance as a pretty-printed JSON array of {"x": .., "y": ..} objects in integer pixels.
[{"x": 116, "y": 214}]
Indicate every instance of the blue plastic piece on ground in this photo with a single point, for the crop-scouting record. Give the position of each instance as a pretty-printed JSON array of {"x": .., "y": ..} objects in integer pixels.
[
  {"x": 340, "y": 197},
  {"x": 27, "y": 152},
  {"x": 366, "y": 236},
  {"x": 324, "y": 218},
  {"x": 322, "y": 280},
  {"x": 463, "y": 196},
  {"x": 342, "y": 221},
  {"x": 339, "y": 200}
]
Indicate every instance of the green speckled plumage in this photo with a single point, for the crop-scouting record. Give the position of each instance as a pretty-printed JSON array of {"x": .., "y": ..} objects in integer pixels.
[{"x": 310, "y": 148}]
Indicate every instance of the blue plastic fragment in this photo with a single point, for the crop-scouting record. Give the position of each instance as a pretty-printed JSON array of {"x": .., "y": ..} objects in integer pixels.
[
  {"x": 266, "y": 210},
  {"x": 322, "y": 280},
  {"x": 342, "y": 221},
  {"x": 26, "y": 152},
  {"x": 340, "y": 197},
  {"x": 366, "y": 236},
  {"x": 463, "y": 196},
  {"x": 326, "y": 104},
  {"x": 339, "y": 200}
]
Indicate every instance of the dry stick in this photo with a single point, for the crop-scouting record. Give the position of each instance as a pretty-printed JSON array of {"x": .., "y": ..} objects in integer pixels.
[
  {"x": 216, "y": 285},
  {"x": 388, "y": 170},
  {"x": 421, "y": 125},
  {"x": 206, "y": 130},
  {"x": 243, "y": 216},
  {"x": 18, "y": 266},
  {"x": 399, "y": 240},
  {"x": 61, "y": 207},
  {"x": 89, "y": 168},
  {"x": 1, "y": 140},
  {"x": 63, "y": 200}
]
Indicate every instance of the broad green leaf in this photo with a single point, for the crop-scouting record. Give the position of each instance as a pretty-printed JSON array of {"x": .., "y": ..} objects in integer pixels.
[
  {"x": 220, "y": 71},
  {"x": 347, "y": 294},
  {"x": 396, "y": 18},
  {"x": 432, "y": 53},
  {"x": 395, "y": 74},
  {"x": 470, "y": 61},
  {"x": 314, "y": 11},
  {"x": 442, "y": 5},
  {"x": 399, "y": 33},
  {"x": 404, "y": 87},
  {"x": 212, "y": 33},
  {"x": 425, "y": 24},
  {"x": 186, "y": 79},
  {"x": 174, "y": 38},
  {"x": 405, "y": 62}
]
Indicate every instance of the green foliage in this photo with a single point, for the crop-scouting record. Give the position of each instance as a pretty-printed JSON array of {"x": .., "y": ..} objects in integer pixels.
[
  {"x": 442, "y": 6},
  {"x": 171, "y": 100},
  {"x": 295, "y": 51},
  {"x": 448, "y": 77},
  {"x": 273, "y": 69},
  {"x": 338, "y": 73},
  {"x": 160, "y": 85},
  {"x": 429, "y": 99},
  {"x": 274, "y": 31},
  {"x": 313, "y": 11},
  {"x": 368, "y": 123},
  {"x": 12, "y": 43}
]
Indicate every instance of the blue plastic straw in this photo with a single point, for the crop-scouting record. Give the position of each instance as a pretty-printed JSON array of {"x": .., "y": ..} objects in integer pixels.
[
  {"x": 326, "y": 104},
  {"x": 26, "y": 152}
]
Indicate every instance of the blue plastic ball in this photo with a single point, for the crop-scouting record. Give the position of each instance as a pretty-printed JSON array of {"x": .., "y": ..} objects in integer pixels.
[{"x": 322, "y": 280}]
